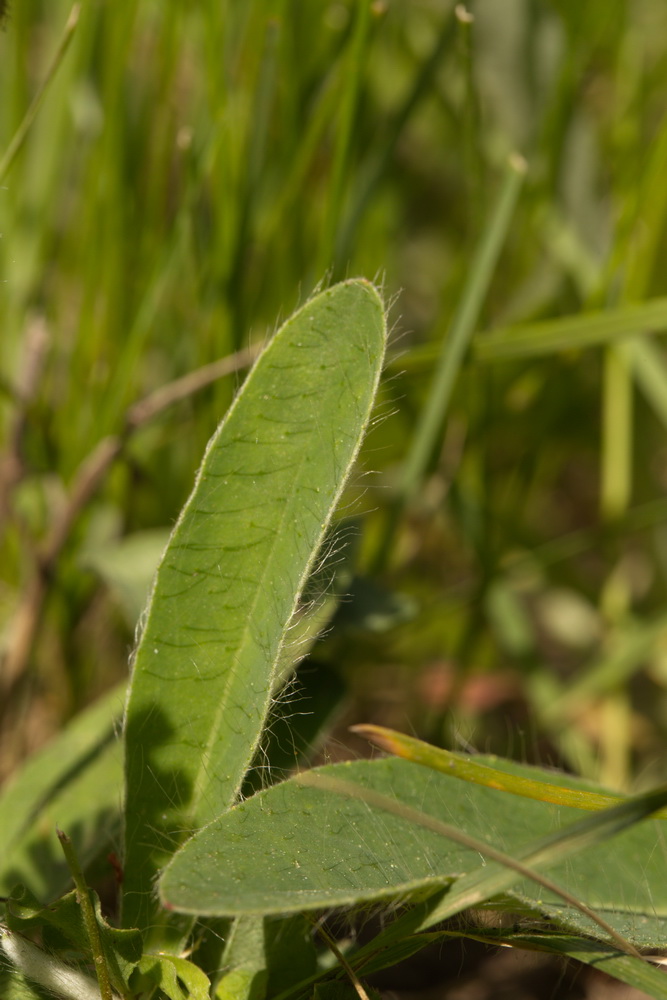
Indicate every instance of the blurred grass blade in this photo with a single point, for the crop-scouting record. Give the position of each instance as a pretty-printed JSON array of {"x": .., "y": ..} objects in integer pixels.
[
  {"x": 472, "y": 142},
  {"x": 381, "y": 154},
  {"x": 21, "y": 133},
  {"x": 650, "y": 372},
  {"x": 639, "y": 357},
  {"x": 626, "y": 653},
  {"x": 260, "y": 120},
  {"x": 463, "y": 324},
  {"x": 278, "y": 213},
  {"x": 468, "y": 769},
  {"x": 617, "y": 438},
  {"x": 51, "y": 768},
  {"x": 645, "y": 206},
  {"x": 571, "y": 333},
  {"x": 75, "y": 781},
  {"x": 353, "y": 72},
  {"x": 453, "y": 350},
  {"x": 217, "y": 631}
]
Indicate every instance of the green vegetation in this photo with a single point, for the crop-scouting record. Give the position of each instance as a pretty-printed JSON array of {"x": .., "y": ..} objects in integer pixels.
[{"x": 489, "y": 571}]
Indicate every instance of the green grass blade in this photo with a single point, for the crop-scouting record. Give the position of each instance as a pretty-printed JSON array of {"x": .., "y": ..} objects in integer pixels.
[
  {"x": 230, "y": 581},
  {"x": 648, "y": 367},
  {"x": 463, "y": 323},
  {"x": 21, "y": 133},
  {"x": 616, "y": 447},
  {"x": 467, "y": 768},
  {"x": 381, "y": 158},
  {"x": 636, "y": 972},
  {"x": 74, "y": 781},
  {"x": 645, "y": 205},
  {"x": 49, "y": 770},
  {"x": 260, "y": 119},
  {"x": 453, "y": 350},
  {"x": 349, "y": 103},
  {"x": 626, "y": 653},
  {"x": 88, "y": 805},
  {"x": 570, "y": 333}
]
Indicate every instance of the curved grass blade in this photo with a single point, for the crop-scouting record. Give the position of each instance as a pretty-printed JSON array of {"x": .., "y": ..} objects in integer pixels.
[
  {"x": 572, "y": 333},
  {"x": 217, "y": 630},
  {"x": 75, "y": 780},
  {"x": 554, "y": 336},
  {"x": 468, "y": 769},
  {"x": 58, "y": 764},
  {"x": 21, "y": 133}
]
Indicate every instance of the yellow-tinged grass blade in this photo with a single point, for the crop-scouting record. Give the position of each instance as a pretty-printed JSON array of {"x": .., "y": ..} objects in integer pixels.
[{"x": 468, "y": 769}]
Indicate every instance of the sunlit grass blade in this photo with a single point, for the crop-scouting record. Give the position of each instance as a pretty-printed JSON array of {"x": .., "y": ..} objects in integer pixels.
[
  {"x": 467, "y": 768},
  {"x": 463, "y": 324}
]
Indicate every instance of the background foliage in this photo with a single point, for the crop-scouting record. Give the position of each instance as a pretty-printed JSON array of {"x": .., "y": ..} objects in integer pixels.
[{"x": 193, "y": 172}]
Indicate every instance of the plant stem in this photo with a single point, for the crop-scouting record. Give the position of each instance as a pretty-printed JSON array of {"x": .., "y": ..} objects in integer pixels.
[
  {"x": 342, "y": 961},
  {"x": 89, "y": 916}
]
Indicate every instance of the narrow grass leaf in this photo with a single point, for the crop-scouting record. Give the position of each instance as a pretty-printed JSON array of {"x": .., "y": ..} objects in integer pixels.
[
  {"x": 617, "y": 412},
  {"x": 58, "y": 763},
  {"x": 571, "y": 333},
  {"x": 22, "y": 132},
  {"x": 648, "y": 366},
  {"x": 628, "y": 651},
  {"x": 348, "y": 110},
  {"x": 455, "y": 343},
  {"x": 76, "y": 780},
  {"x": 468, "y": 769},
  {"x": 380, "y": 157}
]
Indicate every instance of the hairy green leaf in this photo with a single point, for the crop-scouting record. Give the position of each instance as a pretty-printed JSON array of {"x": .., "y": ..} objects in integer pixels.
[
  {"x": 227, "y": 592},
  {"x": 298, "y": 847}
]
